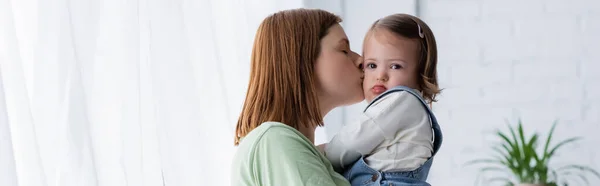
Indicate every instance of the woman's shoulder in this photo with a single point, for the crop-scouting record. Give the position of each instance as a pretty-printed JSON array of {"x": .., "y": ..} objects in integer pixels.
[
  {"x": 274, "y": 139},
  {"x": 271, "y": 129},
  {"x": 263, "y": 150},
  {"x": 275, "y": 153},
  {"x": 274, "y": 134}
]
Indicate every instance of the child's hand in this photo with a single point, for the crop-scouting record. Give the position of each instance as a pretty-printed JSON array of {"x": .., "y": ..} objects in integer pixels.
[{"x": 322, "y": 147}]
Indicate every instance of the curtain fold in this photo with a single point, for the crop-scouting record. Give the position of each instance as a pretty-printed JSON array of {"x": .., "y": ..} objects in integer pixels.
[{"x": 123, "y": 92}]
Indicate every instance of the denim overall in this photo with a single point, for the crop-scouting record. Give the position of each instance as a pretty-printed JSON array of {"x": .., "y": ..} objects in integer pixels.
[{"x": 361, "y": 174}]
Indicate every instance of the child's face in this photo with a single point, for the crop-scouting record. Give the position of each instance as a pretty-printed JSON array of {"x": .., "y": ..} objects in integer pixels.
[{"x": 390, "y": 60}]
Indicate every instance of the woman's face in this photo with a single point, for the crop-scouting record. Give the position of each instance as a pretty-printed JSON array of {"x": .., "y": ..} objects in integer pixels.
[{"x": 339, "y": 78}]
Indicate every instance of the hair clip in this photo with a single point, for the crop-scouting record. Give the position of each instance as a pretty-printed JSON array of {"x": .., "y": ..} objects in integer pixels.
[{"x": 420, "y": 31}]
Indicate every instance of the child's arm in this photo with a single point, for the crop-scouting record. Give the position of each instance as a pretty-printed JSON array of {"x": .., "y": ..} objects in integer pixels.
[{"x": 380, "y": 121}]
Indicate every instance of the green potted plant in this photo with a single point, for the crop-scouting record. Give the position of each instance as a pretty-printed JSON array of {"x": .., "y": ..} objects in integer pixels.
[{"x": 527, "y": 165}]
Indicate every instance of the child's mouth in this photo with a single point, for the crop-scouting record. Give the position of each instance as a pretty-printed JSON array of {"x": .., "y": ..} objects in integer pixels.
[{"x": 378, "y": 89}]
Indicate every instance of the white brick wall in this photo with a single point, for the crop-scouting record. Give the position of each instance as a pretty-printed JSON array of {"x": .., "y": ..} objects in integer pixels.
[
  {"x": 538, "y": 60},
  {"x": 534, "y": 59}
]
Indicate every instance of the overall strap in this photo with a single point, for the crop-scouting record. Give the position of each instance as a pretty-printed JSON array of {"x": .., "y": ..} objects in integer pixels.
[{"x": 437, "y": 133}]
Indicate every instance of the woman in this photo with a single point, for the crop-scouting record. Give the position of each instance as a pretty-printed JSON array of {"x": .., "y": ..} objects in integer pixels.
[{"x": 301, "y": 68}]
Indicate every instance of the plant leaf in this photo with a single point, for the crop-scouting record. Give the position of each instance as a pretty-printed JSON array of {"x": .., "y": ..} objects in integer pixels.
[
  {"x": 549, "y": 155},
  {"x": 548, "y": 139},
  {"x": 533, "y": 172},
  {"x": 500, "y": 152},
  {"x": 510, "y": 158},
  {"x": 540, "y": 169},
  {"x": 478, "y": 178},
  {"x": 512, "y": 149},
  {"x": 555, "y": 176},
  {"x": 533, "y": 142},
  {"x": 570, "y": 178},
  {"x": 580, "y": 168},
  {"x": 587, "y": 182},
  {"x": 524, "y": 147},
  {"x": 517, "y": 155},
  {"x": 488, "y": 169},
  {"x": 510, "y": 143}
]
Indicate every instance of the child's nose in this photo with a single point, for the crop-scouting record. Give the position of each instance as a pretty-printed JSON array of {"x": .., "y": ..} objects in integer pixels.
[{"x": 382, "y": 75}]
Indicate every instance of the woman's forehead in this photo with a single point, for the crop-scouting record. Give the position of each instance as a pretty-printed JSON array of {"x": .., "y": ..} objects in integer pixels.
[{"x": 336, "y": 33}]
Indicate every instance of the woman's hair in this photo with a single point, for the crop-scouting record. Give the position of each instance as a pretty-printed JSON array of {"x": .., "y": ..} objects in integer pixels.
[
  {"x": 282, "y": 76},
  {"x": 414, "y": 28}
]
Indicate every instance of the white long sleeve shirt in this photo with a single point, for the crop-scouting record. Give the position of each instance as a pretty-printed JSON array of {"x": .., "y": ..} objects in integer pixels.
[{"x": 394, "y": 134}]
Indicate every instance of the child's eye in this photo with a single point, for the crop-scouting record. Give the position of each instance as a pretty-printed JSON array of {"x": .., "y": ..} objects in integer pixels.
[
  {"x": 395, "y": 66},
  {"x": 345, "y": 51},
  {"x": 371, "y": 65}
]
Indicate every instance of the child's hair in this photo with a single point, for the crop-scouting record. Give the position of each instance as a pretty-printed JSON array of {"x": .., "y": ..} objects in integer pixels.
[{"x": 412, "y": 27}]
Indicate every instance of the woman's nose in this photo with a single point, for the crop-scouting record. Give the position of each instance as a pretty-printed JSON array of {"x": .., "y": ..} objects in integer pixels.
[
  {"x": 358, "y": 63},
  {"x": 358, "y": 60}
]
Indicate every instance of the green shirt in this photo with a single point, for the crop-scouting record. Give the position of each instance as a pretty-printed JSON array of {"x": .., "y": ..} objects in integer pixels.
[{"x": 277, "y": 154}]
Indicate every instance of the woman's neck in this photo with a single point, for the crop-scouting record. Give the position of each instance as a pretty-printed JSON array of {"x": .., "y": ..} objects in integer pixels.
[{"x": 309, "y": 132}]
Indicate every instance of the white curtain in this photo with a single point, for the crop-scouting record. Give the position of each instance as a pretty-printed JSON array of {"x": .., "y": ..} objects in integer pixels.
[{"x": 123, "y": 92}]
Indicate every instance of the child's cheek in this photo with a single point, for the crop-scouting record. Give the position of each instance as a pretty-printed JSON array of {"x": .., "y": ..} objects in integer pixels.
[{"x": 368, "y": 82}]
